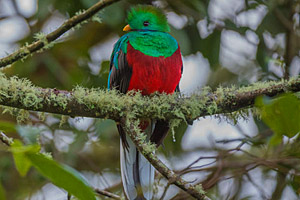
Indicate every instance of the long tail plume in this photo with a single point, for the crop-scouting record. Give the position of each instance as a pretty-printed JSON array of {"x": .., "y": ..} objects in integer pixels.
[{"x": 137, "y": 172}]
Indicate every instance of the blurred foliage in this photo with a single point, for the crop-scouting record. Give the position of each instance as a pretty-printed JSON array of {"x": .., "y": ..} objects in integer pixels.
[
  {"x": 61, "y": 175},
  {"x": 281, "y": 114},
  {"x": 82, "y": 58}
]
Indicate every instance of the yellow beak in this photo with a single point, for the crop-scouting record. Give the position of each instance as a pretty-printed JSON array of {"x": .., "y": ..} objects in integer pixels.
[{"x": 127, "y": 28}]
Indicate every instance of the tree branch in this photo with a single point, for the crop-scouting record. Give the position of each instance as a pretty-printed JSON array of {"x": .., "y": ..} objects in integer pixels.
[
  {"x": 5, "y": 140},
  {"x": 20, "y": 93},
  {"x": 131, "y": 127},
  {"x": 66, "y": 26},
  {"x": 107, "y": 194}
]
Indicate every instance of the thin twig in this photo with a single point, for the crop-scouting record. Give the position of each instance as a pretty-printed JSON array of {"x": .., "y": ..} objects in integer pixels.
[
  {"x": 259, "y": 188},
  {"x": 66, "y": 26},
  {"x": 107, "y": 194},
  {"x": 5, "y": 139},
  {"x": 165, "y": 191}
]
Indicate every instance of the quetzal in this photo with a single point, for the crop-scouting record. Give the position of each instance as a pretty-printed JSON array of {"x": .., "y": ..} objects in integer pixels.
[{"x": 146, "y": 59}]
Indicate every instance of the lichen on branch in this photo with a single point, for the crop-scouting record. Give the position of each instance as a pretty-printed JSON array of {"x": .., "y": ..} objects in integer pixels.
[{"x": 97, "y": 103}]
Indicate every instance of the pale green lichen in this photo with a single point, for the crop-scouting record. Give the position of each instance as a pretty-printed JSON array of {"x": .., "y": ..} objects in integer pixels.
[
  {"x": 200, "y": 189},
  {"x": 79, "y": 93},
  {"x": 22, "y": 116},
  {"x": 197, "y": 103},
  {"x": 9, "y": 110},
  {"x": 42, "y": 116},
  {"x": 96, "y": 18},
  {"x": 134, "y": 126},
  {"x": 63, "y": 120},
  {"x": 24, "y": 51},
  {"x": 5, "y": 67},
  {"x": 174, "y": 123},
  {"x": 99, "y": 100},
  {"x": 236, "y": 116},
  {"x": 212, "y": 108},
  {"x": 259, "y": 85},
  {"x": 80, "y": 12},
  {"x": 225, "y": 94},
  {"x": 78, "y": 26},
  {"x": 32, "y": 100},
  {"x": 111, "y": 104},
  {"x": 60, "y": 100},
  {"x": 156, "y": 106},
  {"x": 21, "y": 91},
  {"x": 43, "y": 38},
  {"x": 9, "y": 140},
  {"x": 148, "y": 147}
]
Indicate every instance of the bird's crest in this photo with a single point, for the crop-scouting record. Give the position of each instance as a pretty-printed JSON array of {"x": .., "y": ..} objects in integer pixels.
[{"x": 145, "y": 13}]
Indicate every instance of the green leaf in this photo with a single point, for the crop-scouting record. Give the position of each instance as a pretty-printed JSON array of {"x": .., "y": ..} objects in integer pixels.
[
  {"x": 281, "y": 114},
  {"x": 2, "y": 192},
  {"x": 61, "y": 175},
  {"x": 22, "y": 163},
  {"x": 7, "y": 126}
]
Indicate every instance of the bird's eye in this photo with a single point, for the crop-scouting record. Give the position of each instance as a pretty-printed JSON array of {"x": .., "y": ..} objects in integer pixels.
[{"x": 146, "y": 23}]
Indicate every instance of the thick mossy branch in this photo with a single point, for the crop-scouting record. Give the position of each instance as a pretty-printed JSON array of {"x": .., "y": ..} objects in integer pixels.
[
  {"x": 20, "y": 93},
  {"x": 131, "y": 127},
  {"x": 46, "y": 41}
]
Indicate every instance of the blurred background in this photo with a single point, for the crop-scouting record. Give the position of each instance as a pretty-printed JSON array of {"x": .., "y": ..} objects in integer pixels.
[{"x": 223, "y": 43}]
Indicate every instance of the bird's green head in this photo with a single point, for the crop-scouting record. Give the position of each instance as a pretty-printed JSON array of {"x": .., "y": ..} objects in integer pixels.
[{"x": 145, "y": 17}]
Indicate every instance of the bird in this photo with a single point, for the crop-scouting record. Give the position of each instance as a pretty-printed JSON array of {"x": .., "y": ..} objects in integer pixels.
[{"x": 146, "y": 59}]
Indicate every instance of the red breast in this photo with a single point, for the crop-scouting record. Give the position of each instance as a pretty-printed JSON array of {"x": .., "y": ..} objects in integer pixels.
[{"x": 151, "y": 74}]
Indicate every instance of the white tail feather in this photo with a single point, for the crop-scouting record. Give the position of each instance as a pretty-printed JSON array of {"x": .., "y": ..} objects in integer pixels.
[{"x": 146, "y": 172}]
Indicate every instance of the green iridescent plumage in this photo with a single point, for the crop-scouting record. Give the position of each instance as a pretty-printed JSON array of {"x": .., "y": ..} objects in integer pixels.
[
  {"x": 152, "y": 40},
  {"x": 139, "y": 14},
  {"x": 153, "y": 44}
]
